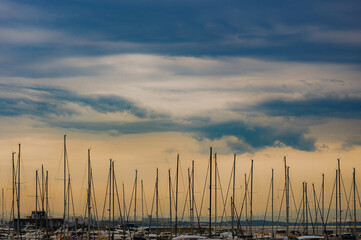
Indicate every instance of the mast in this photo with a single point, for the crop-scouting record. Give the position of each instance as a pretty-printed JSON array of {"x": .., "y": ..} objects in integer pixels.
[
  {"x": 272, "y": 205},
  {"x": 2, "y": 206},
  {"x": 18, "y": 200},
  {"x": 157, "y": 202},
  {"x": 42, "y": 187},
  {"x": 190, "y": 199},
  {"x": 135, "y": 197},
  {"x": 36, "y": 200},
  {"x": 42, "y": 194},
  {"x": 47, "y": 203},
  {"x": 303, "y": 206},
  {"x": 170, "y": 202},
  {"x": 192, "y": 196},
  {"x": 354, "y": 199},
  {"x": 306, "y": 205},
  {"x": 245, "y": 201},
  {"x": 65, "y": 175},
  {"x": 251, "y": 203},
  {"x": 323, "y": 202},
  {"x": 68, "y": 205},
  {"x": 339, "y": 194},
  {"x": 113, "y": 197},
  {"x": 316, "y": 212},
  {"x": 142, "y": 189},
  {"x": 89, "y": 194},
  {"x": 13, "y": 198},
  {"x": 176, "y": 197},
  {"x": 124, "y": 207},
  {"x": 233, "y": 194},
  {"x": 287, "y": 195},
  {"x": 215, "y": 191},
  {"x": 336, "y": 196},
  {"x": 210, "y": 192},
  {"x": 110, "y": 196}
]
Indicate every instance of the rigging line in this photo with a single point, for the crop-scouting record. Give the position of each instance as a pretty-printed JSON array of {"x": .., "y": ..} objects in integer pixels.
[
  {"x": 220, "y": 187},
  {"x": 244, "y": 198},
  {"x": 204, "y": 189},
  {"x": 329, "y": 207},
  {"x": 318, "y": 206},
  {"x": 184, "y": 207},
  {"x": 265, "y": 212},
  {"x": 347, "y": 201},
  {"x": 358, "y": 195},
  {"x": 293, "y": 196},
  {"x": 197, "y": 214},
  {"x": 298, "y": 210},
  {"x": 72, "y": 201},
  {"x": 225, "y": 200},
  {"x": 312, "y": 223},
  {"x": 124, "y": 205},
  {"x": 131, "y": 202},
  {"x": 145, "y": 203},
  {"x": 118, "y": 198},
  {"x": 279, "y": 213},
  {"x": 105, "y": 200},
  {"x": 95, "y": 201},
  {"x": 151, "y": 211}
]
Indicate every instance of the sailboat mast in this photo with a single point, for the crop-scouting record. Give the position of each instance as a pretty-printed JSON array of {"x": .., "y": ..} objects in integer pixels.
[
  {"x": 65, "y": 175},
  {"x": 47, "y": 203},
  {"x": 176, "y": 197},
  {"x": 157, "y": 202},
  {"x": 193, "y": 196},
  {"x": 18, "y": 202},
  {"x": 245, "y": 199},
  {"x": 272, "y": 205},
  {"x": 13, "y": 198},
  {"x": 36, "y": 199},
  {"x": 306, "y": 205},
  {"x": 336, "y": 196},
  {"x": 354, "y": 199},
  {"x": 233, "y": 193},
  {"x": 323, "y": 200},
  {"x": 113, "y": 197},
  {"x": 339, "y": 195},
  {"x": 287, "y": 196},
  {"x": 210, "y": 193},
  {"x": 42, "y": 187},
  {"x": 170, "y": 203},
  {"x": 110, "y": 195},
  {"x": 2, "y": 206},
  {"x": 190, "y": 199},
  {"x": 142, "y": 190},
  {"x": 215, "y": 191},
  {"x": 89, "y": 194},
  {"x": 135, "y": 196},
  {"x": 251, "y": 202}
]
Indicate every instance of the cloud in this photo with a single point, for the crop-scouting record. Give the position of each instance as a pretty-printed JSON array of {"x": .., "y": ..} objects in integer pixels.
[
  {"x": 41, "y": 100},
  {"x": 306, "y": 32},
  {"x": 55, "y": 107},
  {"x": 351, "y": 143},
  {"x": 321, "y": 107}
]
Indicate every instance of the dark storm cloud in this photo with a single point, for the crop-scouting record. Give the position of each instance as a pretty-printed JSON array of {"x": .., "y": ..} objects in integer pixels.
[
  {"x": 338, "y": 107},
  {"x": 325, "y": 31},
  {"x": 40, "y": 100},
  {"x": 47, "y": 104}
]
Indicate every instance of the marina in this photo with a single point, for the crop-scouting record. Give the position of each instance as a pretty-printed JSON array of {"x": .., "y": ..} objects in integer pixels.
[{"x": 311, "y": 217}]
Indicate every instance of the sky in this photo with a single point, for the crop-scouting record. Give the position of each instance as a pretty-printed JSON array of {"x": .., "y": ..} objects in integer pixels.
[{"x": 140, "y": 81}]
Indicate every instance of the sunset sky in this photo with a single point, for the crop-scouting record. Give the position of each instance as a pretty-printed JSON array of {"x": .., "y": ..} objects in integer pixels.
[{"x": 140, "y": 81}]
